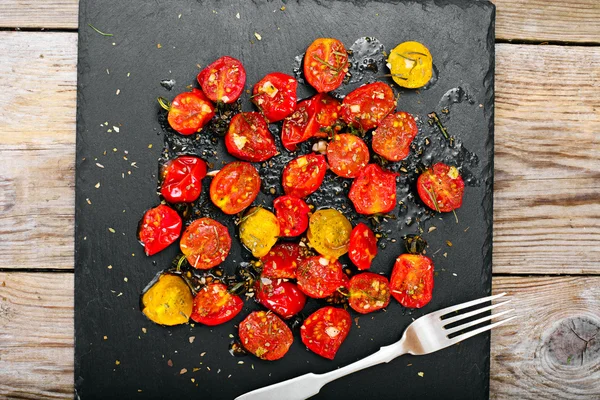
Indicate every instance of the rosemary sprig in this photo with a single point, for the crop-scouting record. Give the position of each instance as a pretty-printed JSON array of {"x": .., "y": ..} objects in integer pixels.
[
  {"x": 99, "y": 31},
  {"x": 432, "y": 197},
  {"x": 164, "y": 103},
  {"x": 435, "y": 119}
]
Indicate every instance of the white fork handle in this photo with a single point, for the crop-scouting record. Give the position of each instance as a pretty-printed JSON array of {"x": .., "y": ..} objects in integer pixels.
[{"x": 307, "y": 385}]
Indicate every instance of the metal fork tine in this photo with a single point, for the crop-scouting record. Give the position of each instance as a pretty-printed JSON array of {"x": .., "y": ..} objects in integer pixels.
[
  {"x": 467, "y": 335},
  {"x": 448, "y": 310},
  {"x": 476, "y": 322},
  {"x": 448, "y": 321}
]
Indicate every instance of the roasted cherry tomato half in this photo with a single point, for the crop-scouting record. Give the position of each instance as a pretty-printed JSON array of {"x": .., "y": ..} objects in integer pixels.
[
  {"x": 235, "y": 187},
  {"x": 373, "y": 191},
  {"x": 304, "y": 175},
  {"x": 168, "y": 301},
  {"x": 275, "y": 96},
  {"x": 214, "y": 305},
  {"x": 393, "y": 136},
  {"x": 319, "y": 277},
  {"x": 441, "y": 188},
  {"x": 347, "y": 155},
  {"x": 259, "y": 231},
  {"x": 283, "y": 298},
  {"x": 368, "y": 292},
  {"x": 223, "y": 80},
  {"x": 411, "y": 65},
  {"x": 182, "y": 179},
  {"x": 265, "y": 335},
  {"x": 412, "y": 280},
  {"x": 189, "y": 112},
  {"x": 159, "y": 227},
  {"x": 292, "y": 214},
  {"x": 329, "y": 232},
  {"x": 282, "y": 261},
  {"x": 365, "y": 107},
  {"x": 325, "y": 64},
  {"x": 324, "y": 331},
  {"x": 363, "y": 246},
  {"x": 205, "y": 243},
  {"x": 248, "y": 138},
  {"x": 324, "y": 120},
  {"x": 294, "y": 126}
]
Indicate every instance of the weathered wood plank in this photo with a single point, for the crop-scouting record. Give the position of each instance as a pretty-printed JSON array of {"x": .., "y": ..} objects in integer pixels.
[
  {"x": 552, "y": 349},
  {"x": 38, "y": 75},
  {"x": 535, "y": 20},
  {"x": 36, "y": 336},
  {"x": 534, "y": 356}
]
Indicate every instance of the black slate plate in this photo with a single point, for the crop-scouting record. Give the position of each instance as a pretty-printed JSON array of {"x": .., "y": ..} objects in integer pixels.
[{"x": 119, "y": 353}]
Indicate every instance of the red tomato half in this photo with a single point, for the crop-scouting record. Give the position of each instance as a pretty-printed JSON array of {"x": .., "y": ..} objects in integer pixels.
[
  {"x": 363, "y": 246},
  {"x": 182, "y": 179},
  {"x": 441, "y": 188},
  {"x": 189, "y": 112},
  {"x": 223, "y": 80},
  {"x": 159, "y": 227},
  {"x": 292, "y": 214},
  {"x": 214, "y": 305},
  {"x": 324, "y": 331},
  {"x": 303, "y": 175},
  {"x": 275, "y": 96},
  {"x": 373, "y": 191},
  {"x": 205, "y": 243},
  {"x": 294, "y": 126},
  {"x": 412, "y": 280},
  {"x": 283, "y": 298},
  {"x": 368, "y": 292},
  {"x": 365, "y": 107},
  {"x": 325, "y": 64},
  {"x": 265, "y": 335},
  {"x": 248, "y": 138},
  {"x": 235, "y": 187},
  {"x": 326, "y": 113},
  {"x": 393, "y": 136},
  {"x": 319, "y": 277},
  {"x": 347, "y": 155},
  {"x": 282, "y": 261}
]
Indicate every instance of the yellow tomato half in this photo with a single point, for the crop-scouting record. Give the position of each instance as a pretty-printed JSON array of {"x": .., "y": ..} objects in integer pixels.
[
  {"x": 259, "y": 231},
  {"x": 411, "y": 65},
  {"x": 169, "y": 301},
  {"x": 329, "y": 233}
]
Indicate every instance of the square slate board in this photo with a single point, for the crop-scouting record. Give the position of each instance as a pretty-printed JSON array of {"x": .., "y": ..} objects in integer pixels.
[{"x": 118, "y": 82}]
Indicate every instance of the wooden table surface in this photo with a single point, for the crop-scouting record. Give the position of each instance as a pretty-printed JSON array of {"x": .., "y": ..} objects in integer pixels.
[{"x": 546, "y": 199}]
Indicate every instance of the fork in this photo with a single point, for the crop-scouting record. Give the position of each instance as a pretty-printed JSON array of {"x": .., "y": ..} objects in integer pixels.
[{"x": 425, "y": 335}]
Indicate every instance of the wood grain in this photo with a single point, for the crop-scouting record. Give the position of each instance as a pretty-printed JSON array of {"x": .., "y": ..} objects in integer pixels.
[
  {"x": 552, "y": 349},
  {"x": 534, "y": 356},
  {"x": 36, "y": 336},
  {"x": 38, "y": 73},
  {"x": 534, "y": 20}
]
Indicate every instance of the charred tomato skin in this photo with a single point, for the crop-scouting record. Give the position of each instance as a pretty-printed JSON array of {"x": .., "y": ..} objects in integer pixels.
[
  {"x": 303, "y": 175},
  {"x": 441, "y": 188},
  {"x": 214, "y": 305},
  {"x": 292, "y": 213},
  {"x": 223, "y": 80},
  {"x": 160, "y": 226},
  {"x": 325, "y": 64},
  {"x": 411, "y": 282},
  {"x": 393, "y": 136},
  {"x": 265, "y": 335},
  {"x": 248, "y": 138},
  {"x": 363, "y": 246},
  {"x": 182, "y": 179},
  {"x": 189, "y": 112},
  {"x": 365, "y": 107},
  {"x": 373, "y": 191},
  {"x": 283, "y": 298},
  {"x": 324, "y": 331},
  {"x": 235, "y": 187},
  {"x": 205, "y": 243},
  {"x": 368, "y": 292},
  {"x": 275, "y": 96}
]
